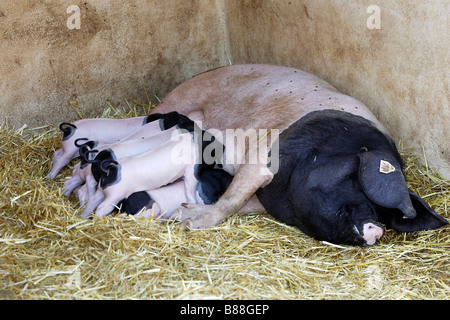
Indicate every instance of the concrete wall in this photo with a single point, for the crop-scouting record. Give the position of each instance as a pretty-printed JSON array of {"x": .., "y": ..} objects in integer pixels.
[
  {"x": 131, "y": 49},
  {"x": 400, "y": 71},
  {"x": 123, "y": 49}
]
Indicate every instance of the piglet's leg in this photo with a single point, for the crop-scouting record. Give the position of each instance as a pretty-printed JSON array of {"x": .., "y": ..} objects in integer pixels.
[
  {"x": 108, "y": 204},
  {"x": 87, "y": 190},
  {"x": 93, "y": 202},
  {"x": 71, "y": 184},
  {"x": 54, "y": 171},
  {"x": 248, "y": 179},
  {"x": 91, "y": 185},
  {"x": 60, "y": 160},
  {"x": 83, "y": 195},
  {"x": 190, "y": 184}
]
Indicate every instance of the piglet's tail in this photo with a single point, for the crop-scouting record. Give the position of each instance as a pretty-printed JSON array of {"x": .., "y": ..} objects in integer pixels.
[{"x": 68, "y": 129}]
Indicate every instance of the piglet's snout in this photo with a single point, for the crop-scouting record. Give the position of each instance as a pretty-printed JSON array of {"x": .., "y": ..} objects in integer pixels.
[{"x": 372, "y": 233}]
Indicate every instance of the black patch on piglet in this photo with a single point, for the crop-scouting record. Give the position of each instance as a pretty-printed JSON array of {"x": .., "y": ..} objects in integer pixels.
[
  {"x": 176, "y": 119},
  {"x": 84, "y": 150},
  {"x": 171, "y": 119},
  {"x": 212, "y": 180},
  {"x": 212, "y": 183},
  {"x": 136, "y": 202},
  {"x": 97, "y": 170},
  {"x": 157, "y": 116},
  {"x": 84, "y": 153}
]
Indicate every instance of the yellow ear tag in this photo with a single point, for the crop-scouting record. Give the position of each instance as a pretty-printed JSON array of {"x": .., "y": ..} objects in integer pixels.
[{"x": 386, "y": 167}]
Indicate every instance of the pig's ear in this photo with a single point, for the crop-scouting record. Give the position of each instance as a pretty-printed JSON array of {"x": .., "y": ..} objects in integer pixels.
[
  {"x": 383, "y": 182},
  {"x": 329, "y": 175},
  {"x": 426, "y": 218}
]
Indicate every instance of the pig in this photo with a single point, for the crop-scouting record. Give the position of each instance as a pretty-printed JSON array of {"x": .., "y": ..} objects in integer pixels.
[
  {"x": 161, "y": 202},
  {"x": 146, "y": 171},
  {"x": 118, "y": 150},
  {"x": 338, "y": 182},
  {"x": 274, "y": 97},
  {"x": 141, "y": 140},
  {"x": 158, "y": 203},
  {"x": 104, "y": 131},
  {"x": 211, "y": 184}
]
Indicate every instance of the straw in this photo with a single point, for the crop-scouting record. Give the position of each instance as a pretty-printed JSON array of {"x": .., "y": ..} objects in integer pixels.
[{"x": 48, "y": 251}]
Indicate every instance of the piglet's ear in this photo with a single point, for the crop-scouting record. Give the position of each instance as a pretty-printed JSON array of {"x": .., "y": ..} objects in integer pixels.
[
  {"x": 426, "y": 218},
  {"x": 383, "y": 182}
]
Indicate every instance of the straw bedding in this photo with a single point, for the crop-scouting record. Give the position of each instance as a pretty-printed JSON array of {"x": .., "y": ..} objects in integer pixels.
[{"x": 47, "y": 251}]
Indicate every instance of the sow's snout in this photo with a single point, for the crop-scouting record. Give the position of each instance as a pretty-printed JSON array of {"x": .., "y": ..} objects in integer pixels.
[{"x": 372, "y": 232}]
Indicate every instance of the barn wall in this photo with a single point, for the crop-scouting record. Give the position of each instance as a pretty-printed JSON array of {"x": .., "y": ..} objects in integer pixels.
[
  {"x": 400, "y": 71},
  {"x": 123, "y": 49}
]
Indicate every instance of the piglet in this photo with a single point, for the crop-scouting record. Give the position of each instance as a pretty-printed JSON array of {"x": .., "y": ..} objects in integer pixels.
[
  {"x": 101, "y": 130},
  {"x": 105, "y": 131},
  {"x": 141, "y": 140},
  {"x": 158, "y": 203},
  {"x": 146, "y": 171},
  {"x": 115, "y": 151},
  {"x": 161, "y": 202}
]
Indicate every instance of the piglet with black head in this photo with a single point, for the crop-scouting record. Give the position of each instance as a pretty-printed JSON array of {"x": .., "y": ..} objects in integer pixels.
[
  {"x": 211, "y": 181},
  {"x": 340, "y": 180},
  {"x": 162, "y": 202}
]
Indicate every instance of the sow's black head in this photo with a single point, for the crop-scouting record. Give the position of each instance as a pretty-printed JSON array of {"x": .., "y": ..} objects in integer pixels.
[{"x": 339, "y": 176}]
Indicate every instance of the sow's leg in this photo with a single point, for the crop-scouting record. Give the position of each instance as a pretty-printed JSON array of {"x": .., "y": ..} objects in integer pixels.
[{"x": 249, "y": 178}]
